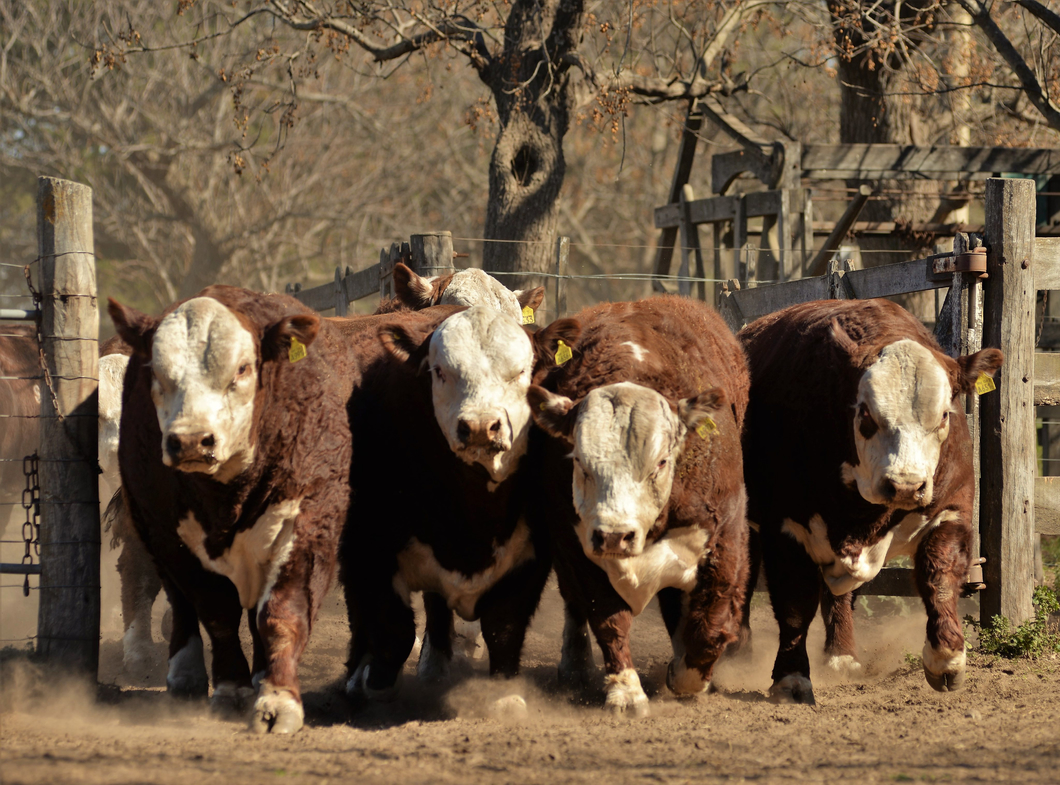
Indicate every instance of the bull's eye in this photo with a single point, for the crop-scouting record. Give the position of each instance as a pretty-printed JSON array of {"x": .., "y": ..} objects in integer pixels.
[
  {"x": 867, "y": 426},
  {"x": 945, "y": 421},
  {"x": 438, "y": 374},
  {"x": 661, "y": 465},
  {"x": 242, "y": 369}
]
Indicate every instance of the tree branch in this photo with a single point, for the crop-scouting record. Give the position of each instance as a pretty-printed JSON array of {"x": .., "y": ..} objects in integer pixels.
[
  {"x": 1031, "y": 86},
  {"x": 1047, "y": 17}
]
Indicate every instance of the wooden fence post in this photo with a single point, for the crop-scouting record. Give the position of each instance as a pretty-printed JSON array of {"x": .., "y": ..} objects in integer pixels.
[
  {"x": 562, "y": 259},
  {"x": 432, "y": 253},
  {"x": 1008, "y": 454},
  {"x": 68, "y": 619}
]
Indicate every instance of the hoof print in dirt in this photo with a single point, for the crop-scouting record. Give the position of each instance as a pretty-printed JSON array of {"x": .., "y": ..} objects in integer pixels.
[
  {"x": 793, "y": 689},
  {"x": 231, "y": 701},
  {"x": 276, "y": 711}
]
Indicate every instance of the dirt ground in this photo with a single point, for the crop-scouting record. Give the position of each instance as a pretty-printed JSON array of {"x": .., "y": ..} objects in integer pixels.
[{"x": 887, "y": 726}]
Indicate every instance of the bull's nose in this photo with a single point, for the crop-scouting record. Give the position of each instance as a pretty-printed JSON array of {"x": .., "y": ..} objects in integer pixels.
[
  {"x": 484, "y": 431},
  {"x": 904, "y": 491},
  {"x": 190, "y": 446},
  {"x": 618, "y": 543}
]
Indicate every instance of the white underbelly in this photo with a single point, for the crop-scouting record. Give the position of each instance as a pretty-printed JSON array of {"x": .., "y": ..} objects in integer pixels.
[
  {"x": 671, "y": 562},
  {"x": 419, "y": 570}
]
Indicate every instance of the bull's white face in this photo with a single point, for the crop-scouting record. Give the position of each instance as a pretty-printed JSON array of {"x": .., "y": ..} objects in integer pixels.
[
  {"x": 481, "y": 361},
  {"x": 627, "y": 439},
  {"x": 902, "y": 419},
  {"x": 204, "y": 363},
  {"x": 474, "y": 287}
]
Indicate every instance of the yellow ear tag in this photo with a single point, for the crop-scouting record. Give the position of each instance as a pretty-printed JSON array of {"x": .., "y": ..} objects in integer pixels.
[
  {"x": 297, "y": 350},
  {"x": 984, "y": 384},
  {"x": 563, "y": 353},
  {"x": 706, "y": 428},
  {"x": 528, "y": 315}
]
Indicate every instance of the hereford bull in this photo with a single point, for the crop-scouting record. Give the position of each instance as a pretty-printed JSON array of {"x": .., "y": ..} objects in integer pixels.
[
  {"x": 443, "y": 394},
  {"x": 643, "y": 489},
  {"x": 857, "y": 451},
  {"x": 235, "y": 456}
]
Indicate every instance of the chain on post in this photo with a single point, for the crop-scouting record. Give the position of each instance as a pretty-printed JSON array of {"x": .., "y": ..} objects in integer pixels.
[{"x": 31, "y": 503}]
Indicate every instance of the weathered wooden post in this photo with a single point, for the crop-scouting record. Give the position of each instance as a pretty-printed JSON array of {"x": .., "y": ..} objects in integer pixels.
[
  {"x": 562, "y": 259},
  {"x": 432, "y": 253},
  {"x": 68, "y": 619},
  {"x": 1008, "y": 454}
]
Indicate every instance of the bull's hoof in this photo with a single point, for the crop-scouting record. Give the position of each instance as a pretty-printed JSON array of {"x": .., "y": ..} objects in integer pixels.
[
  {"x": 357, "y": 686},
  {"x": 844, "y": 664},
  {"x": 230, "y": 700},
  {"x": 685, "y": 682},
  {"x": 510, "y": 707},
  {"x": 276, "y": 711},
  {"x": 138, "y": 660},
  {"x": 433, "y": 665},
  {"x": 186, "y": 677},
  {"x": 624, "y": 694},
  {"x": 793, "y": 689},
  {"x": 944, "y": 668}
]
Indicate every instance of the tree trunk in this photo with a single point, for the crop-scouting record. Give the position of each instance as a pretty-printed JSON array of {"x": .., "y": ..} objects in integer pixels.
[{"x": 531, "y": 87}]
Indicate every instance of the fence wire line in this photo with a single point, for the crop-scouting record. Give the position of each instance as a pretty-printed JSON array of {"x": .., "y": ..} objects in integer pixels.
[{"x": 48, "y": 256}]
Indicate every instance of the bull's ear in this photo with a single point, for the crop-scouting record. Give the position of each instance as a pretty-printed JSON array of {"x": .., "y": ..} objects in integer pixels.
[
  {"x": 413, "y": 290},
  {"x": 135, "y": 328},
  {"x": 532, "y": 298},
  {"x": 280, "y": 335},
  {"x": 698, "y": 408},
  {"x": 554, "y": 414},
  {"x": 546, "y": 342},
  {"x": 405, "y": 343},
  {"x": 984, "y": 362}
]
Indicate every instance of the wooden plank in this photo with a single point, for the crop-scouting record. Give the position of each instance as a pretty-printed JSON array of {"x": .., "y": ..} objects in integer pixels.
[
  {"x": 763, "y": 203},
  {"x": 432, "y": 253},
  {"x": 1047, "y": 378},
  {"x": 1047, "y": 263},
  {"x": 68, "y": 615},
  {"x": 686, "y": 154},
  {"x": 1008, "y": 446},
  {"x": 839, "y": 233},
  {"x": 362, "y": 283},
  {"x": 1047, "y": 505},
  {"x": 876, "y": 161},
  {"x": 562, "y": 261},
  {"x": 891, "y": 279},
  {"x": 702, "y": 211},
  {"x": 762, "y": 300}
]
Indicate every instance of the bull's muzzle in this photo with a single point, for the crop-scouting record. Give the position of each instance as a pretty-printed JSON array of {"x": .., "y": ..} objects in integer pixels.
[
  {"x": 188, "y": 448},
  {"x": 614, "y": 544},
  {"x": 487, "y": 433},
  {"x": 904, "y": 493}
]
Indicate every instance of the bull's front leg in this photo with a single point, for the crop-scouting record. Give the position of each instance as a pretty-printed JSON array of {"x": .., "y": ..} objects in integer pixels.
[
  {"x": 794, "y": 591},
  {"x": 140, "y": 585},
  {"x": 837, "y": 613},
  {"x": 624, "y": 693},
  {"x": 710, "y": 618},
  {"x": 186, "y": 675},
  {"x": 436, "y": 653},
  {"x": 941, "y": 563},
  {"x": 506, "y": 611}
]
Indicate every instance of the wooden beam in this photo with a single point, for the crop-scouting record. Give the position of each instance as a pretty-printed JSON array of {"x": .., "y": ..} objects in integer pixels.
[
  {"x": 1008, "y": 450},
  {"x": 891, "y": 279},
  {"x": 1047, "y": 378},
  {"x": 839, "y": 233},
  {"x": 749, "y": 304},
  {"x": 686, "y": 154},
  {"x": 1047, "y": 263},
  {"x": 1047, "y": 505},
  {"x": 884, "y": 161}
]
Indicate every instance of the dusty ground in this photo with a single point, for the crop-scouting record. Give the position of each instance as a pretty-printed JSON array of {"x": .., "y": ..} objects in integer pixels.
[{"x": 888, "y": 727}]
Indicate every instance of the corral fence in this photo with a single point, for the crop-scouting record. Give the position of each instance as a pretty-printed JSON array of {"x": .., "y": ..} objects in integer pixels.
[
  {"x": 991, "y": 282},
  {"x": 66, "y": 539}
]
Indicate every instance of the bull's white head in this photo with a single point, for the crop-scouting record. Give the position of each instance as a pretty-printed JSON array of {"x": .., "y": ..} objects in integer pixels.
[
  {"x": 902, "y": 419},
  {"x": 205, "y": 365},
  {"x": 468, "y": 287},
  {"x": 480, "y": 362},
  {"x": 627, "y": 440},
  {"x": 111, "y": 378}
]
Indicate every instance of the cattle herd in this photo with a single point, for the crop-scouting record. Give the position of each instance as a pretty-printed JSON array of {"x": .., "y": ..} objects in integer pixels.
[{"x": 447, "y": 445}]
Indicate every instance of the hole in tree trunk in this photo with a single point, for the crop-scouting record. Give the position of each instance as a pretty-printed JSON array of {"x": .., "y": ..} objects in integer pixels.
[{"x": 524, "y": 165}]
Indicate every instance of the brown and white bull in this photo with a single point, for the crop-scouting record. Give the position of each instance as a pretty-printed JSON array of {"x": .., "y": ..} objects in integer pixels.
[
  {"x": 465, "y": 287},
  {"x": 857, "y": 451},
  {"x": 235, "y": 456},
  {"x": 439, "y": 500},
  {"x": 643, "y": 490}
]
